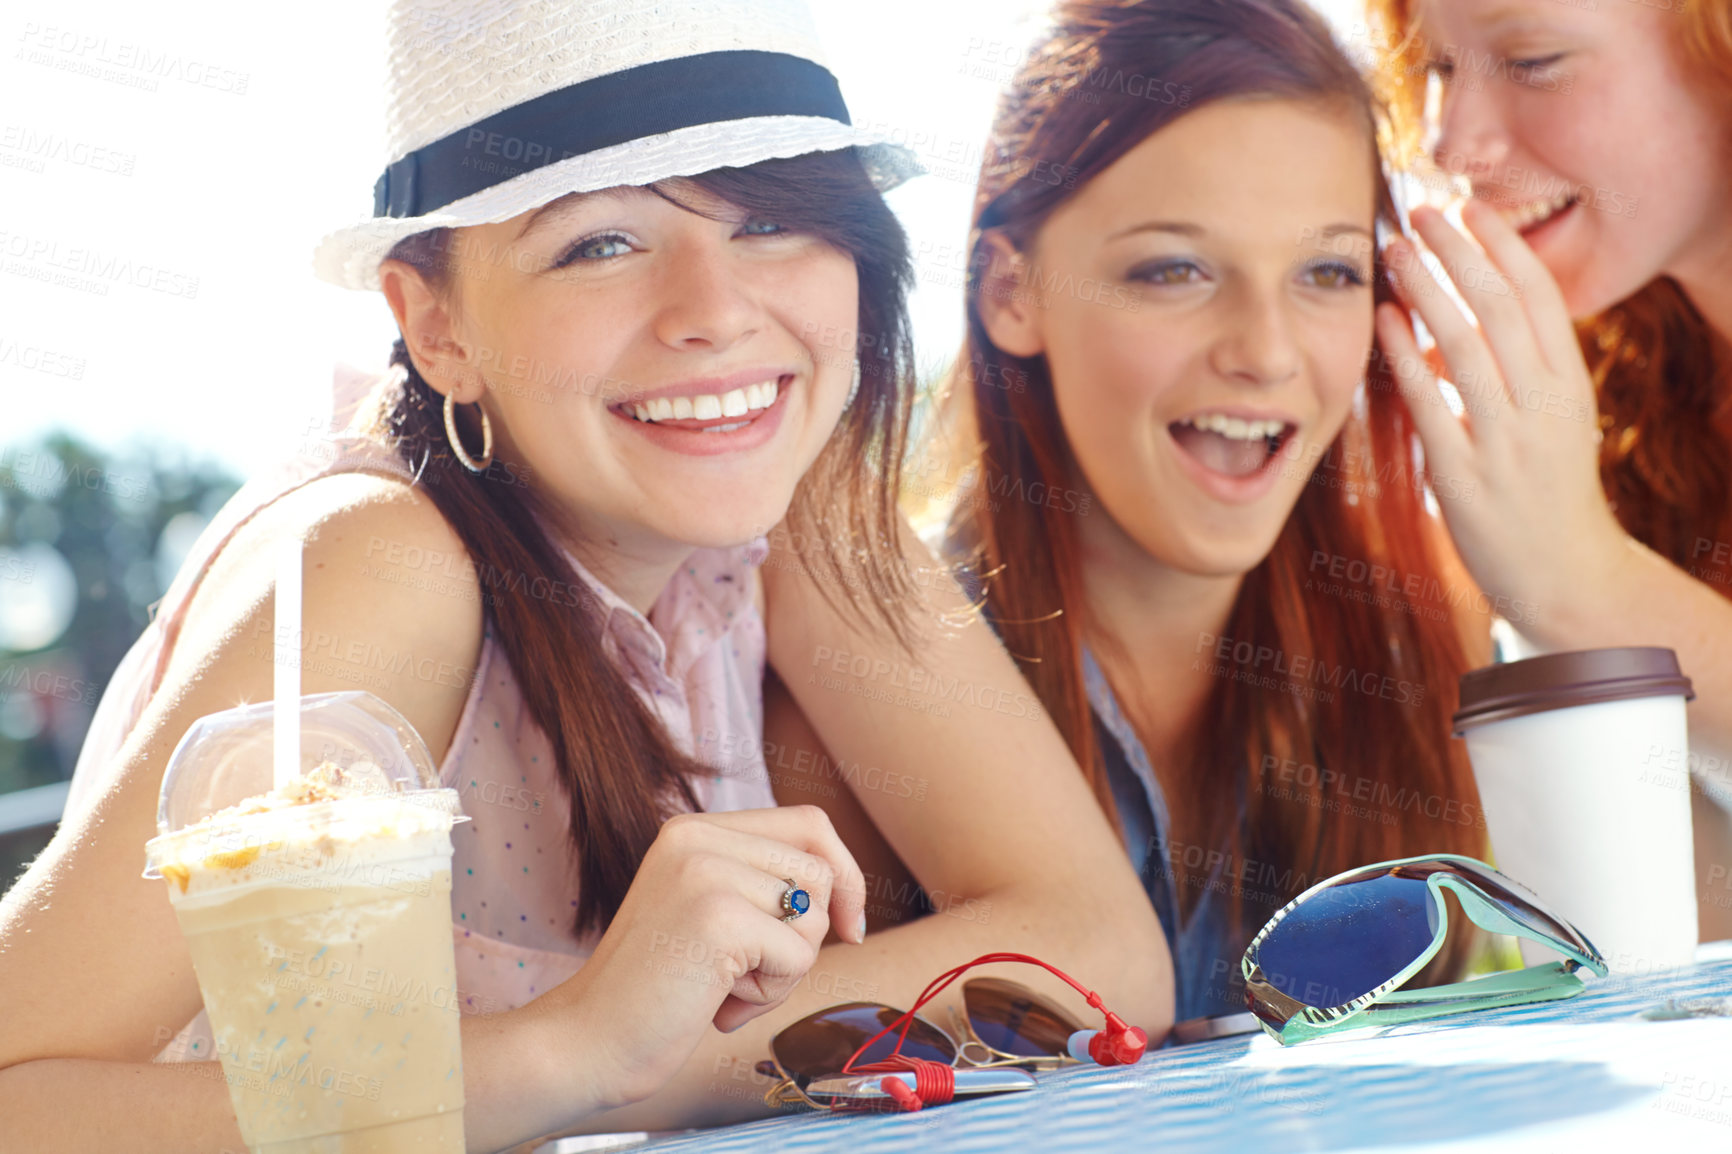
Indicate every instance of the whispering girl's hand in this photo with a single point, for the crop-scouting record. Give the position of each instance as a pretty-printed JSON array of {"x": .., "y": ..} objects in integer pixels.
[{"x": 1517, "y": 476}]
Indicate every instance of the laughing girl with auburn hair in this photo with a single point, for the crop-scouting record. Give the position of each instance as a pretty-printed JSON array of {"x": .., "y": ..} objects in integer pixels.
[{"x": 1189, "y": 312}]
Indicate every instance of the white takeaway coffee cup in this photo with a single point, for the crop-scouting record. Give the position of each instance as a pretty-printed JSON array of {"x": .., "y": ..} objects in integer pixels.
[{"x": 1578, "y": 759}]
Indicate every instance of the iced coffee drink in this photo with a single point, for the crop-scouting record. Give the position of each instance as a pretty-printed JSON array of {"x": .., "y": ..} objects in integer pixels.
[{"x": 318, "y": 917}]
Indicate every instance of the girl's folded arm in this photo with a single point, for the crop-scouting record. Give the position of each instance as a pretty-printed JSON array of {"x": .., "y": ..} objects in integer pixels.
[
  {"x": 956, "y": 761},
  {"x": 951, "y": 755},
  {"x": 95, "y": 974}
]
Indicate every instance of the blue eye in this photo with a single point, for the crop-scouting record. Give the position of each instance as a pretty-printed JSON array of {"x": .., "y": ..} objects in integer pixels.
[
  {"x": 593, "y": 248},
  {"x": 1171, "y": 272},
  {"x": 769, "y": 227},
  {"x": 1335, "y": 274}
]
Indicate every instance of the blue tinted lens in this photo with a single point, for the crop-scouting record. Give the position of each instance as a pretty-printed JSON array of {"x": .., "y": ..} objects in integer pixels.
[{"x": 1345, "y": 941}]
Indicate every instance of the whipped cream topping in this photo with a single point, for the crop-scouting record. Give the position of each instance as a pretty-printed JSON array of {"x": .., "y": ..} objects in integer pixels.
[
  {"x": 330, "y": 824},
  {"x": 326, "y": 781}
]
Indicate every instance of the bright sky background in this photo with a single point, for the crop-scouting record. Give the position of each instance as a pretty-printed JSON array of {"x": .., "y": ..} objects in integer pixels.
[{"x": 260, "y": 133}]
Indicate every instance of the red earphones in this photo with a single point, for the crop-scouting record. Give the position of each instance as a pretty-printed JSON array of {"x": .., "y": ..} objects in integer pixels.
[
  {"x": 1117, "y": 1045},
  {"x": 934, "y": 1082}
]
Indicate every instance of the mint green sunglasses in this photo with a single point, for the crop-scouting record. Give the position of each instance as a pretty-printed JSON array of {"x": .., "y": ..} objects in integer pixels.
[{"x": 1335, "y": 956}]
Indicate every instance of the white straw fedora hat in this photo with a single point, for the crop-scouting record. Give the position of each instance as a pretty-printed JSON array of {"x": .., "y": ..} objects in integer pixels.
[{"x": 496, "y": 107}]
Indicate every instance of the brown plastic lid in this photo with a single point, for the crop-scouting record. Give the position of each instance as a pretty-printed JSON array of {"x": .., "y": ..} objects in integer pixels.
[{"x": 1561, "y": 680}]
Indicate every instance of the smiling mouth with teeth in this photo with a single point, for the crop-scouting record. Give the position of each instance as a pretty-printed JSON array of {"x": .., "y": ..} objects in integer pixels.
[
  {"x": 1230, "y": 445},
  {"x": 706, "y": 407},
  {"x": 1526, "y": 217}
]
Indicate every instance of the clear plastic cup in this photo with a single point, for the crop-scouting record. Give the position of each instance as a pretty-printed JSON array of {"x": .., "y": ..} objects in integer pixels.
[{"x": 321, "y": 933}]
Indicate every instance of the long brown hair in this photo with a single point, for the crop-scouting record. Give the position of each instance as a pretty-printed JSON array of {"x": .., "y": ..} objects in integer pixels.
[
  {"x": 621, "y": 771},
  {"x": 1071, "y": 110},
  {"x": 1665, "y": 462}
]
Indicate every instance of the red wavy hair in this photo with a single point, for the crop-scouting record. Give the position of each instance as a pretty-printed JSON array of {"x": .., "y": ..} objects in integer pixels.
[{"x": 1666, "y": 459}]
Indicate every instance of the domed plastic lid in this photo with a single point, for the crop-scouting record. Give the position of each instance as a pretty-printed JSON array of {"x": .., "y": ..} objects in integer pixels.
[
  {"x": 1562, "y": 680},
  {"x": 225, "y": 758}
]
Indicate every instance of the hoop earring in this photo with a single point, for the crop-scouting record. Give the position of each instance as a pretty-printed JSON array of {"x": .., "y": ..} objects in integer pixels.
[{"x": 469, "y": 462}]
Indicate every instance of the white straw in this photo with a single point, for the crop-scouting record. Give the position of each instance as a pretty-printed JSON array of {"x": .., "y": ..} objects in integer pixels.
[{"x": 286, "y": 666}]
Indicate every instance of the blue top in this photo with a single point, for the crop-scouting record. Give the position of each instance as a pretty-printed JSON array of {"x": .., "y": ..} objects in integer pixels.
[
  {"x": 1206, "y": 978},
  {"x": 1205, "y": 950}
]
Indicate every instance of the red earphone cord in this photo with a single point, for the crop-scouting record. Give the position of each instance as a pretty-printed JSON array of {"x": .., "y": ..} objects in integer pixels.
[{"x": 935, "y": 1082}]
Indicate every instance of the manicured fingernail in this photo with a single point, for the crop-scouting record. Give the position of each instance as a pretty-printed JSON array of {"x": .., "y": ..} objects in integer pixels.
[{"x": 860, "y": 934}]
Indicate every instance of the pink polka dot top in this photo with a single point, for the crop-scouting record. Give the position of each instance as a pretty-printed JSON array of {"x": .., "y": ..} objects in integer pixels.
[{"x": 696, "y": 660}]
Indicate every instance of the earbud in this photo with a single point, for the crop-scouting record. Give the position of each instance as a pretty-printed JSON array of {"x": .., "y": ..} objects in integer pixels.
[
  {"x": 934, "y": 1082},
  {"x": 1117, "y": 1045}
]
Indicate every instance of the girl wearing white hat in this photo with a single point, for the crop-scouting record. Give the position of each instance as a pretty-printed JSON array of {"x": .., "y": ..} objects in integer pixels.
[{"x": 640, "y": 440}]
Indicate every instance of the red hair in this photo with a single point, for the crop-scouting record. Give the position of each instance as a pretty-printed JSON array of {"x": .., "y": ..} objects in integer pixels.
[
  {"x": 1664, "y": 459},
  {"x": 1369, "y": 677}
]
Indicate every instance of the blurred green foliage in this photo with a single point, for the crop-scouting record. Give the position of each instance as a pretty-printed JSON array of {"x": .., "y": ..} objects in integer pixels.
[{"x": 119, "y": 523}]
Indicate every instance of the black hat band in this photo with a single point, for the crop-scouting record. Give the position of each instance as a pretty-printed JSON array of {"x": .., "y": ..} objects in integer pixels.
[{"x": 662, "y": 96}]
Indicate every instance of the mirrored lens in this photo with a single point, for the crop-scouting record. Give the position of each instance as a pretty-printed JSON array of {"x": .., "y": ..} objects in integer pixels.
[
  {"x": 1016, "y": 1020},
  {"x": 1347, "y": 939},
  {"x": 1524, "y": 905},
  {"x": 818, "y": 1045}
]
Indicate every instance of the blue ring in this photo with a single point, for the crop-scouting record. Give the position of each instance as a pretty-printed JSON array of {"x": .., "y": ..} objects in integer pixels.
[{"x": 795, "y": 901}]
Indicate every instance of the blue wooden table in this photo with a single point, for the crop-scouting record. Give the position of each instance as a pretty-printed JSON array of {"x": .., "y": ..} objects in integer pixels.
[{"x": 1587, "y": 1074}]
